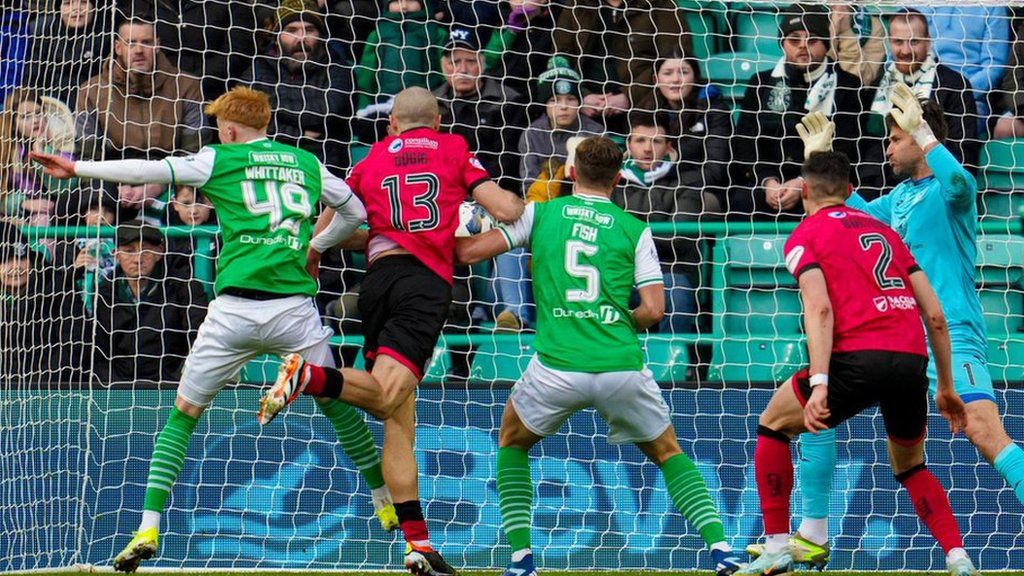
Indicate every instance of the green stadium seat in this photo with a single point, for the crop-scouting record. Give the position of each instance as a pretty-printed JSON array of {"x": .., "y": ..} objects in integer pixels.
[
  {"x": 753, "y": 292},
  {"x": 1000, "y": 269},
  {"x": 261, "y": 370},
  {"x": 500, "y": 362},
  {"x": 1002, "y": 165},
  {"x": 756, "y": 29},
  {"x": 1001, "y": 204},
  {"x": 438, "y": 367},
  {"x": 1004, "y": 358},
  {"x": 703, "y": 20},
  {"x": 736, "y": 360},
  {"x": 668, "y": 359},
  {"x": 731, "y": 71},
  {"x": 356, "y": 152},
  {"x": 1003, "y": 310}
]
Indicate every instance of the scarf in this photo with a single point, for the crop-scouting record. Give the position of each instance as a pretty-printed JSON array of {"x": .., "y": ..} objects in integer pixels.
[
  {"x": 921, "y": 83},
  {"x": 821, "y": 95},
  {"x": 634, "y": 174}
]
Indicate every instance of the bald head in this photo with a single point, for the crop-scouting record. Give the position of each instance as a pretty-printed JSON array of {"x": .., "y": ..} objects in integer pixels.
[{"x": 414, "y": 108}]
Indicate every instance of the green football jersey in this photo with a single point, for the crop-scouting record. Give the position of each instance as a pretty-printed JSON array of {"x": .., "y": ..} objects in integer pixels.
[
  {"x": 587, "y": 255},
  {"x": 265, "y": 195}
]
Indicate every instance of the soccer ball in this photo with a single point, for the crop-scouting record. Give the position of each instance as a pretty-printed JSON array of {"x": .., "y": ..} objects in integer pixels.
[{"x": 473, "y": 219}]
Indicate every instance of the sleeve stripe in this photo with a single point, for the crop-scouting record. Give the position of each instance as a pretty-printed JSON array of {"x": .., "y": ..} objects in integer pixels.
[
  {"x": 476, "y": 183},
  {"x": 508, "y": 238},
  {"x": 651, "y": 280},
  {"x": 171, "y": 167},
  {"x": 912, "y": 269},
  {"x": 807, "y": 268}
]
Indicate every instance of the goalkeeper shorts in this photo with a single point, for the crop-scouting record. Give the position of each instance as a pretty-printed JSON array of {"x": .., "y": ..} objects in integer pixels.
[
  {"x": 895, "y": 381},
  {"x": 630, "y": 402},
  {"x": 971, "y": 378}
]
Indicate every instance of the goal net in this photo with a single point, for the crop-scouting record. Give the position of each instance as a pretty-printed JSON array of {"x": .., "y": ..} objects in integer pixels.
[{"x": 703, "y": 97}]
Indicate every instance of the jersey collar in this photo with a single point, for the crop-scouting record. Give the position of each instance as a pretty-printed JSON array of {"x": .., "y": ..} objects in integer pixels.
[{"x": 591, "y": 197}]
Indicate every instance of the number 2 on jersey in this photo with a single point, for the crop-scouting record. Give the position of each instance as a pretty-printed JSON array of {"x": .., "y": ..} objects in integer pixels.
[
  {"x": 884, "y": 259},
  {"x": 573, "y": 267},
  {"x": 287, "y": 206},
  {"x": 427, "y": 199}
]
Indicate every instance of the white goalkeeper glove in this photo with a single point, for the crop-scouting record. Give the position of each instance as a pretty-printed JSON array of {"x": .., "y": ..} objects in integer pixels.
[
  {"x": 908, "y": 114},
  {"x": 816, "y": 131}
]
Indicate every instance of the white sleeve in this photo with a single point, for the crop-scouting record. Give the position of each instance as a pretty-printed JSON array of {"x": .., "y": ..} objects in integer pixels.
[
  {"x": 347, "y": 217},
  {"x": 647, "y": 268},
  {"x": 334, "y": 191},
  {"x": 193, "y": 170},
  {"x": 518, "y": 233}
]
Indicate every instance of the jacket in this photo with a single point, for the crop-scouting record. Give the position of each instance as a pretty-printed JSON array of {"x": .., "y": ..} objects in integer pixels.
[
  {"x": 620, "y": 46},
  {"x": 388, "y": 67},
  {"x": 491, "y": 123},
  {"x": 540, "y": 144},
  {"x": 61, "y": 59},
  {"x": 151, "y": 116},
  {"x": 146, "y": 339}
]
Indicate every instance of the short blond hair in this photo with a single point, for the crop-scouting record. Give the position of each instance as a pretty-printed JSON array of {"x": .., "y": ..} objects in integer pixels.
[
  {"x": 243, "y": 105},
  {"x": 415, "y": 107}
]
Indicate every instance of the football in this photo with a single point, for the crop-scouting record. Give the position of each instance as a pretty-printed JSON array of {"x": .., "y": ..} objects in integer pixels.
[{"x": 473, "y": 219}]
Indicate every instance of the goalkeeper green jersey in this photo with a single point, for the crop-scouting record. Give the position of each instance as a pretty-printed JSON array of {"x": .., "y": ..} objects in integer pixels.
[
  {"x": 587, "y": 256},
  {"x": 265, "y": 195}
]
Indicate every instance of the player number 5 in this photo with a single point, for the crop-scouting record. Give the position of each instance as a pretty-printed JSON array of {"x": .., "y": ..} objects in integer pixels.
[{"x": 573, "y": 267}]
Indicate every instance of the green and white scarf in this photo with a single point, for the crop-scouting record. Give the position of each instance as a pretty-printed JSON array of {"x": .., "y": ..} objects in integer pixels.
[
  {"x": 921, "y": 83},
  {"x": 634, "y": 174},
  {"x": 821, "y": 96}
]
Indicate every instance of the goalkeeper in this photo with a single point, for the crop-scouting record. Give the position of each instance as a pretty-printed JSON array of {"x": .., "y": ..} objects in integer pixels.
[
  {"x": 588, "y": 354},
  {"x": 935, "y": 211},
  {"x": 264, "y": 193}
]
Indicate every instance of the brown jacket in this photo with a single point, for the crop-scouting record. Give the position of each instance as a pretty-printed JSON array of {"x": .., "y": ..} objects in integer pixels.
[
  {"x": 649, "y": 30},
  {"x": 152, "y": 115}
]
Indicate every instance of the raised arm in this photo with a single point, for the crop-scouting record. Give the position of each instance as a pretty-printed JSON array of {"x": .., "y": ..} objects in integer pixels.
[{"x": 192, "y": 170}]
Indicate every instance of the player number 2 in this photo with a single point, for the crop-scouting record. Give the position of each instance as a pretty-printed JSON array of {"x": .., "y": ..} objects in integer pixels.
[
  {"x": 426, "y": 199},
  {"x": 573, "y": 267},
  {"x": 884, "y": 259},
  {"x": 287, "y": 205}
]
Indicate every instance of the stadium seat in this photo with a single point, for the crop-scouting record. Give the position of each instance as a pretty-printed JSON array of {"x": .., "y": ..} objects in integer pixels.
[
  {"x": 1000, "y": 269},
  {"x": 762, "y": 360},
  {"x": 705, "y": 26},
  {"x": 1004, "y": 359},
  {"x": 997, "y": 204},
  {"x": 731, "y": 71},
  {"x": 500, "y": 362},
  {"x": 753, "y": 292},
  {"x": 755, "y": 28},
  {"x": 261, "y": 370},
  {"x": 438, "y": 367},
  {"x": 1002, "y": 165},
  {"x": 668, "y": 359},
  {"x": 356, "y": 152}
]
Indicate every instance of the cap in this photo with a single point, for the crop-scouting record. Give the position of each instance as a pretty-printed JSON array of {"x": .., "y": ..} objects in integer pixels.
[
  {"x": 292, "y": 10},
  {"x": 460, "y": 37},
  {"x": 135, "y": 230},
  {"x": 813, "y": 18}
]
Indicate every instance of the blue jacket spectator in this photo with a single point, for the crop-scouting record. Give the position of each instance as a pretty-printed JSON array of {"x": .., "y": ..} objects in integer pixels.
[
  {"x": 14, "y": 32},
  {"x": 975, "y": 41}
]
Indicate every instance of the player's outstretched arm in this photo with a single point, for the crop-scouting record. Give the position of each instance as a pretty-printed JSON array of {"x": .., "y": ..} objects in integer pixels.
[
  {"x": 473, "y": 249},
  {"x": 946, "y": 398},
  {"x": 819, "y": 322},
  {"x": 505, "y": 206},
  {"x": 191, "y": 170},
  {"x": 652, "y": 306}
]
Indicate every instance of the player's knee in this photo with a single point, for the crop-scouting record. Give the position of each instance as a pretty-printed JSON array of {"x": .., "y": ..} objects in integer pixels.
[{"x": 393, "y": 396}]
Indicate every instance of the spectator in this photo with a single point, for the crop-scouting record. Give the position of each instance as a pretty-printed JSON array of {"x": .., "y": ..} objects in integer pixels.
[
  {"x": 767, "y": 149},
  {"x": 311, "y": 94},
  {"x": 31, "y": 122},
  {"x": 858, "y": 41},
  {"x": 1010, "y": 104},
  {"x": 146, "y": 319},
  {"x": 698, "y": 121},
  {"x": 518, "y": 53},
  {"x": 487, "y": 113},
  {"x": 349, "y": 22},
  {"x": 614, "y": 45},
  {"x": 140, "y": 104},
  {"x": 14, "y": 41},
  {"x": 403, "y": 51},
  {"x": 88, "y": 259},
  {"x": 542, "y": 147},
  {"x": 974, "y": 41},
  {"x": 38, "y": 324},
  {"x": 649, "y": 189},
  {"x": 913, "y": 63},
  {"x": 69, "y": 47},
  {"x": 213, "y": 41}
]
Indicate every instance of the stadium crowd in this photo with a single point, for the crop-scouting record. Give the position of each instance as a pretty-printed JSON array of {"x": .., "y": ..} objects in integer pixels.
[{"x": 105, "y": 79}]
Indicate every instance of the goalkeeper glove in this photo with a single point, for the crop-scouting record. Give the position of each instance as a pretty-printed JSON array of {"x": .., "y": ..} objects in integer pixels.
[
  {"x": 816, "y": 131},
  {"x": 908, "y": 114}
]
